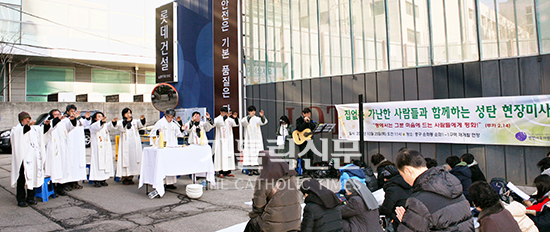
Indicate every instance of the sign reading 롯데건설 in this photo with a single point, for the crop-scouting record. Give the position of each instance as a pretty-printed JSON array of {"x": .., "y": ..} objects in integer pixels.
[
  {"x": 166, "y": 64},
  {"x": 518, "y": 120}
]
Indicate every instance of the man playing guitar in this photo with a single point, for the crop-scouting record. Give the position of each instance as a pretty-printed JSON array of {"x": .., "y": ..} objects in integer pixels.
[{"x": 302, "y": 123}]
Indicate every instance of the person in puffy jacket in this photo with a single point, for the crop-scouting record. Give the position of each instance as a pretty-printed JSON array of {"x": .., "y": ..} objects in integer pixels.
[
  {"x": 322, "y": 211},
  {"x": 276, "y": 203},
  {"x": 380, "y": 162},
  {"x": 493, "y": 217},
  {"x": 437, "y": 202},
  {"x": 350, "y": 171},
  {"x": 461, "y": 170},
  {"x": 518, "y": 211},
  {"x": 360, "y": 213},
  {"x": 396, "y": 193}
]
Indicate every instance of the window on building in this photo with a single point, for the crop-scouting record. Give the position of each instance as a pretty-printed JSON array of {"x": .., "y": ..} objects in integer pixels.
[
  {"x": 150, "y": 78},
  {"x": 10, "y": 21},
  {"x": 378, "y": 8},
  {"x": 42, "y": 81},
  {"x": 543, "y": 15},
  {"x": 111, "y": 81},
  {"x": 409, "y": 8},
  {"x": 410, "y": 12},
  {"x": 410, "y": 36}
]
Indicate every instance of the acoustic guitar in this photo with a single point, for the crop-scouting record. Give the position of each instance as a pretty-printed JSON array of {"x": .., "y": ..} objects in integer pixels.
[{"x": 302, "y": 137}]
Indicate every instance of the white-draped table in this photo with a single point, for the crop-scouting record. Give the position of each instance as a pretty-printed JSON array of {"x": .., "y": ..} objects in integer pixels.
[{"x": 157, "y": 163}]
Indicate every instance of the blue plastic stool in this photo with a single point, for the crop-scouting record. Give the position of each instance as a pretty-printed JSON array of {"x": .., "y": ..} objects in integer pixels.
[{"x": 45, "y": 192}]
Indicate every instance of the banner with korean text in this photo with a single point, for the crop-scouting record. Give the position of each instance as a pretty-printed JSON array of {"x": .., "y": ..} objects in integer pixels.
[{"x": 518, "y": 120}]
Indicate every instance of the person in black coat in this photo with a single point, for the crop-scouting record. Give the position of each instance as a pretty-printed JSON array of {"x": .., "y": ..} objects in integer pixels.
[
  {"x": 462, "y": 172},
  {"x": 396, "y": 193},
  {"x": 477, "y": 175},
  {"x": 360, "y": 213},
  {"x": 380, "y": 162},
  {"x": 437, "y": 202},
  {"x": 302, "y": 123},
  {"x": 322, "y": 211}
]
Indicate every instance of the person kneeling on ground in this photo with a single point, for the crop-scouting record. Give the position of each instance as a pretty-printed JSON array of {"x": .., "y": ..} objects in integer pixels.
[
  {"x": 276, "y": 203},
  {"x": 321, "y": 212},
  {"x": 493, "y": 216},
  {"x": 361, "y": 210}
]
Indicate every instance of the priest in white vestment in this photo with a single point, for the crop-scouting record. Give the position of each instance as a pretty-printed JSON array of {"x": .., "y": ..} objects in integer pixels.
[
  {"x": 253, "y": 141},
  {"x": 28, "y": 150},
  {"x": 171, "y": 131},
  {"x": 77, "y": 148},
  {"x": 129, "y": 148},
  {"x": 224, "y": 153},
  {"x": 58, "y": 163},
  {"x": 101, "y": 156},
  {"x": 197, "y": 129}
]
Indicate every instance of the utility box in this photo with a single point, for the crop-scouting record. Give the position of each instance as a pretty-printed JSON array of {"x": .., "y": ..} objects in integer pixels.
[
  {"x": 121, "y": 97},
  {"x": 62, "y": 97},
  {"x": 90, "y": 97},
  {"x": 138, "y": 98}
]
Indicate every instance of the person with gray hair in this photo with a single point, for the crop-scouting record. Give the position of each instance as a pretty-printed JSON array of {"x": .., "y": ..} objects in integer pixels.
[{"x": 172, "y": 130}]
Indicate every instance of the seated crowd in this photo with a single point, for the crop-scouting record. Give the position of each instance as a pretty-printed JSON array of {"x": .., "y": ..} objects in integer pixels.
[{"x": 418, "y": 194}]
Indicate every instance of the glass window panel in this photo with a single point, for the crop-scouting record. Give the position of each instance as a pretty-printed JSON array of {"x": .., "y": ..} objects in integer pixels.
[
  {"x": 42, "y": 81},
  {"x": 285, "y": 24},
  {"x": 261, "y": 42},
  {"x": 111, "y": 82},
  {"x": 10, "y": 25},
  {"x": 394, "y": 34},
  {"x": 506, "y": 28},
  {"x": 345, "y": 36},
  {"x": 336, "y": 53},
  {"x": 438, "y": 32},
  {"x": 454, "y": 34},
  {"x": 410, "y": 36},
  {"x": 488, "y": 29},
  {"x": 379, "y": 21},
  {"x": 150, "y": 78},
  {"x": 324, "y": 30},
  {"x": 525, "y": 18},
  {"x": 314, "y": 38},
  {"x": 270, "y": 41},
  {"x": 305, "y": 44},
  {"x": 15, "y": 2},
  {"x": 543, "y": 11},
  {"x": 358, "y": 40},
  {"x": 469, "y": 31},
  {"x": 296, "y": 39},
  {"x": 422, "y": 33}
]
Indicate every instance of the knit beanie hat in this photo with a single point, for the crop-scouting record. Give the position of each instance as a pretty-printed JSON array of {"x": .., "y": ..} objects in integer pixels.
[{"x": 23, "y": 115}]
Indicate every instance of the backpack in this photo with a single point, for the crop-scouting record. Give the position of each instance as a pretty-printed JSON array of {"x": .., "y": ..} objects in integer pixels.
[{"x": 370, "y": 178}]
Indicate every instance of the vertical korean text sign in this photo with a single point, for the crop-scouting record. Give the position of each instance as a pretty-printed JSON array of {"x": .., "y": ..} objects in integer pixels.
[
  {"x": 518, "y": 120},
  {"x": 166, "y": 63},
  {"x": 226, "y": 54}
]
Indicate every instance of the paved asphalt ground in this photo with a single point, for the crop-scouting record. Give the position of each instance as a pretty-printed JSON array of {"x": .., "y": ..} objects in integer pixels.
[{"x": 126, "y": 208}]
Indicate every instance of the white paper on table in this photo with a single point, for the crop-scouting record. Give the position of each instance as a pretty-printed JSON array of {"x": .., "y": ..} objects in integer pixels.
[
  {"x": 379, "y": 195},
  {"x": 518, "y": 191}
]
